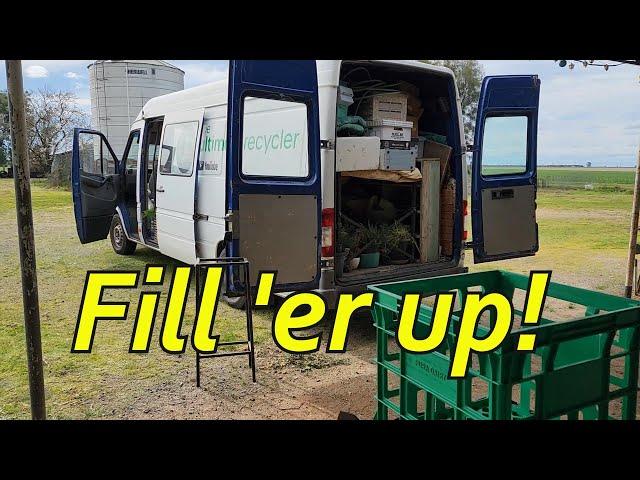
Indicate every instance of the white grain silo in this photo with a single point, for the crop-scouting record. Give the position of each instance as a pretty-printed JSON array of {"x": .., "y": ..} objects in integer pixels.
[{"x": 120, "y": 88}]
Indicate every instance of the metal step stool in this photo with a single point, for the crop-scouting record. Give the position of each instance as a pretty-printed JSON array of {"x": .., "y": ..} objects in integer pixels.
[{"x": 201, "y": 269}]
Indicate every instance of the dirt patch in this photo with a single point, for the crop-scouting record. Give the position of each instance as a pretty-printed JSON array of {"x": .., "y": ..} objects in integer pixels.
[
  {"x": 315, "y": 386},
  {"x": 555, "y": 214}
]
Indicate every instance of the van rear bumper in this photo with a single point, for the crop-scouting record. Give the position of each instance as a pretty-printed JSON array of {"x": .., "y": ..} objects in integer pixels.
[{"x": 330, "y": 291}]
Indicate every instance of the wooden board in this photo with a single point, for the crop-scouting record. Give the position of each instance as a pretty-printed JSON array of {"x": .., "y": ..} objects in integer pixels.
[
  {"x": 443, "y": 152},
  {"x": 430, "y": 210}
]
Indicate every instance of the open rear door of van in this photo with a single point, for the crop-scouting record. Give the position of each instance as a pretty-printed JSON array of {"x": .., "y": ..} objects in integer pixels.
[
  {"x": 503, "y": 185},
  {"x": 273, "y": 171},
  {"x": 95, "y": 183}
]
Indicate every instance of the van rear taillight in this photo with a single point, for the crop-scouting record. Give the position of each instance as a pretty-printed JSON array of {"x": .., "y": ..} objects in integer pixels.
[{"x": 328, "y": 222}]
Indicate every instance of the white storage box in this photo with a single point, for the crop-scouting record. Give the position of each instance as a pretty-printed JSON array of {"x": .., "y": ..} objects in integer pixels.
[
  {"x": 391, "y": 130},
  {"x": 357, "y": 153}
]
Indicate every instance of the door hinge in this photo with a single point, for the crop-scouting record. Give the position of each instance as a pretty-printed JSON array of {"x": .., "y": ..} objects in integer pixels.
[
  {"x": 231, "y": 218},
  {"x": 327, "y": 144},
  {"x": 469, "y": 245},
  {"x": 199, "y": 216},
  {"x": 536, "y": 81},
  {"x": 470, "y": 148}
]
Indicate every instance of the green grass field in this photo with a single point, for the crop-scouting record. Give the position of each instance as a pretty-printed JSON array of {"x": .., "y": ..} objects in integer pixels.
[
  {"x": 583, "y": 238},
  {"x": 104, "y": 382},
  {"x": 610, "y": 179}
]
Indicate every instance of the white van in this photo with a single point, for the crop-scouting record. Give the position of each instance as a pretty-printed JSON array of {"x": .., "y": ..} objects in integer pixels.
[{"x": 247, "y": 167}]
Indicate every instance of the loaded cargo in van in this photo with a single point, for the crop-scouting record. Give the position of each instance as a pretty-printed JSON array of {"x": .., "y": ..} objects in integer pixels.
[{"x": 334, "y": 173}]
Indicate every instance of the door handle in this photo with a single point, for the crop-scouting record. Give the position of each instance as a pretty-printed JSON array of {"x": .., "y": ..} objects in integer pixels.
[
  {"x": 160, "y": 189},
  {"x": 502, "y": 194}
]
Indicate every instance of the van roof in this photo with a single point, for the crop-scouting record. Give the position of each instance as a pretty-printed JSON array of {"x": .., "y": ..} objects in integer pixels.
[{"x": 215, "y": 93}]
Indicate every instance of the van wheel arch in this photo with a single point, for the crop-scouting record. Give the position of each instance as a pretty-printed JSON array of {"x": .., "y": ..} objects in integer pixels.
[{"x": 119, "y": 241}]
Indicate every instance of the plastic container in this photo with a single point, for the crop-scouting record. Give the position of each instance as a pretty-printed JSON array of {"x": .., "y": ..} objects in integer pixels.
[
  {"x": 339, "y": 259},
  {"x": 369, "y": 260},
  {"x": 357, "y": 153},
  {"x": 354, "y": 263},
  {"x": 582, "y": 368}
]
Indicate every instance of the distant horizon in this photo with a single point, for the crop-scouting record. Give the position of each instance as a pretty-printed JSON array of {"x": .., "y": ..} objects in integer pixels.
[
  {"x": 563, "y": 165},
  {"x": 560, "y": 163}
]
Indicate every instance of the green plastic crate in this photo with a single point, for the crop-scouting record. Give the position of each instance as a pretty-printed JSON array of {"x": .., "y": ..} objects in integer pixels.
[{"x": 584, "y": 367}]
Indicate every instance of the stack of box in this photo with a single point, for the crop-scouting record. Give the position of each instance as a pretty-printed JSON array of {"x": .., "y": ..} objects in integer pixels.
[
  {"x": 386, "y": 116},
  {"x": 395, "y": 144}
]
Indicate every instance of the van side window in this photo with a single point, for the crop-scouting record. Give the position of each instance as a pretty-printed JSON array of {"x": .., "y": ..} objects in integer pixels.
[
  {"x": 274, "y": 138},
  {"x": 178, "y": 149},
  {"x": 504, "y": 145},
  {"x": 95, "y": 157},
  {"x": 131, "y": 158}
]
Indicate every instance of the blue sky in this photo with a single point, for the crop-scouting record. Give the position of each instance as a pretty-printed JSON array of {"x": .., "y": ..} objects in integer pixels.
[{"x": 586, "y": 114}]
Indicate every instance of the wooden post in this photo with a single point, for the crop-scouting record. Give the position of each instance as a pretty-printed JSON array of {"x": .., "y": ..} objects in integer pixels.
[
  {"x": 21, "y": 176},
  {"x": 633, "y": 232},
  {"x": 430, "y": 210}
]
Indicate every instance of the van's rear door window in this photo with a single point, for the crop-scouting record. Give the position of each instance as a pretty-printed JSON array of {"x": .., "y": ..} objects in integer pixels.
[{"x": 274, "y": 138}]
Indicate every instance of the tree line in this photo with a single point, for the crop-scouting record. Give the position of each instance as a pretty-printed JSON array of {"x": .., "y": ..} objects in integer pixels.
[{"x": 51, "y": 117}]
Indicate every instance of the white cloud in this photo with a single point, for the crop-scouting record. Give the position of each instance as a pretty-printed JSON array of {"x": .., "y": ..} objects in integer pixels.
[
  {"x": 36, "y": 71},
  {"x": 586, "y": 114},
  {"x": 59, "y": 66},
  {"x": 72, "y": 75},
  {"x": 196, "y": 72}
]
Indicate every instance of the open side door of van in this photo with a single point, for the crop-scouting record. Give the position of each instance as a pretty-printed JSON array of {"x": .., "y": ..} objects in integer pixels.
[
  {"x": 503, "y": 185},
  {"x": 175, "y": 191},
  {"x": 95, "y": 182},
  {"x": 273, "y": 171}
]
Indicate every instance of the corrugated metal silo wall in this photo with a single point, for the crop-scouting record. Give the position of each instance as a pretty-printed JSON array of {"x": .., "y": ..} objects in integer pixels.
[{"x": 119, "y": 90}]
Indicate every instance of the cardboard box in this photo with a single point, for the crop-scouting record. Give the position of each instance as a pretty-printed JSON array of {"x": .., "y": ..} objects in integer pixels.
[
  {"x": 392, "y": 130},
  {"x": 385, "y": 106},
  {"x": 414, "y": 105},
  {"x": 409, "y": 88},
  {"x": 415, "y": 120},
  {"x": 442, "y": 152}
]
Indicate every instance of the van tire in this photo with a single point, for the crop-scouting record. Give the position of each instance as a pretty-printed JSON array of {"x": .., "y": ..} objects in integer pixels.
[
  {"x": 119, "y": 241},
  {"x": 237, "y": 303}
]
